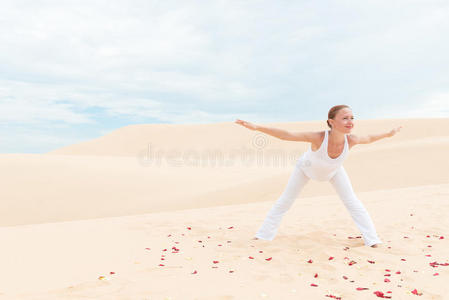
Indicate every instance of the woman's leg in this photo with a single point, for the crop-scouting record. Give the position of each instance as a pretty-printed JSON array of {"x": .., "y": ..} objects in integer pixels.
[
  {"x": 343, "y": 186},
  {"x": 269, "y": 227}
]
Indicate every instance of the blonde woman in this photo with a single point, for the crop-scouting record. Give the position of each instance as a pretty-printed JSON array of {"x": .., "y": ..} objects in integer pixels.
[{"x": 323, "y": 162}]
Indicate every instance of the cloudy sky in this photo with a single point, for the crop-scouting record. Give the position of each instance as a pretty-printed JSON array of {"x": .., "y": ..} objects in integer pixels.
[{"x": 75, "y": 70}]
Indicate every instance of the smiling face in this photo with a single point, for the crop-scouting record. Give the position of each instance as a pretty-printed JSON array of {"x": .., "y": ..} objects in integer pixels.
[{"x": 343, "y": 120}]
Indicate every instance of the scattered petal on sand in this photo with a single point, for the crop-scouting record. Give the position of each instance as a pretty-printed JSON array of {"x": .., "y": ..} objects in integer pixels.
[
  {"x": 147, "y": 248},
  {"x": 415, "y": 292},
  {"x": 436, "y": 274},
  {"x": 441, "y": 237},
  {"x": 333, "y": 296},
  {"x": 331, "y": 258},
  {"x": 250, "y": 257},
  {"x": 371, "y": 261},
  {"x": 231, "y": 271},
  {"x": 310, "y": 261},
  {"x": 260, "y": 251},
  {"x": 403, "y": 259},
  {"x": 313, "y": 284},
  {"x": 386, "y": 280},
  {"x": 231, "y": 227},
  {"x": 398, "y": 272},
  {"x": 215, "y": 261},
  {"x": 361, "y": 288},
  {"x": 352, "y": 262},
  {"x": 379, "y": 294},
  {"x": 194, "y": 272},
  {"x": 345, "y": 277},
  {"x": 161, "y": 265},
  {"x": 316, "y": 275},
  {"x": 189, "y": 228},
  {"x": 269, "y": 258}
]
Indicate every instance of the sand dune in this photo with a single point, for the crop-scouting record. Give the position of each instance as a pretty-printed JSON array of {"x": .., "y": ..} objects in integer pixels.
[{"x": 82, "y": 211}]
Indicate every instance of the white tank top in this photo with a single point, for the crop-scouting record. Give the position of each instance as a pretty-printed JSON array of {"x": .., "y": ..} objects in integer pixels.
[{"x": 318, "y": 165}]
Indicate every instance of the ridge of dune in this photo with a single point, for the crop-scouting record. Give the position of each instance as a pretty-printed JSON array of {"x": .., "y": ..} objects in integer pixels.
[
  {"x": 176, "y": 139},
  {"x": 59, "y": 187}
]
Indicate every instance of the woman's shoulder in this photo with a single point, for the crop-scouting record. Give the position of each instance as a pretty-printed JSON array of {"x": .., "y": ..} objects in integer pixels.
[{"x": 318, "y": 138}]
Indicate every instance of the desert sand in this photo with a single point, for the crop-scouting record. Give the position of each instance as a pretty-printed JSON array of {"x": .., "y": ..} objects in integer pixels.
[{"x": 157, "y": 211}]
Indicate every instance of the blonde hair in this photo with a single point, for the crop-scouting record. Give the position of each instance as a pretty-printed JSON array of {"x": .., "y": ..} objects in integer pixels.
[{"x": 333, "y": 111}]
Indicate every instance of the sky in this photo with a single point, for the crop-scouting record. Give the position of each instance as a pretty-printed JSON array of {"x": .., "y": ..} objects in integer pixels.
[{"x": 71, "y": 71}]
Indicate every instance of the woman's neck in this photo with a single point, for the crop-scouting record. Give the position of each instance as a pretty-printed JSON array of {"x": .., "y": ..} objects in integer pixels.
[{"x": 336, "y": 137}]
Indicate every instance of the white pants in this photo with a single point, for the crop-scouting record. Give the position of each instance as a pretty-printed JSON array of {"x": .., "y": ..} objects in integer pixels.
[{"x": 342, "y": 185}]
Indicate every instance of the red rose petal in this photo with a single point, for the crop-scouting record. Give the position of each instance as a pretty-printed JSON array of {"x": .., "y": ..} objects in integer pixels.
[
  {"x": 269, "y": 258},
  {"x": 436, "y": 274},
  {"x": 189, "y": 228},
  {"x": 379, "y": 294},
  {"x": 345, "y": 277},
  {"x": 386, "y": 280},
  {"x": 147, "y": 248},
  {"x": 194, "y": 272},
  {"x": 231, "y": 227},
  {"x": 316, "y": 275},
  {"x": 111, "y": 272},
  {"x": 387, "y": 270},
  {"x": 215, "y": 261},
  {"x": 331, "y": 258},
  {"x": 441, "y": 237},
  {"x": 260, "y": 251},
  {"x": 371, "y": 261},
  {"x": 313, "y": 284},
  {"x": 161, "y": 265},
  {"x": 310, "y": 261},
  {"x": 361, "y": 289},
  {"x": 403, "y": 259},
  {"x": 398, "y": 272},
  {"x": 250, "y": 257}
]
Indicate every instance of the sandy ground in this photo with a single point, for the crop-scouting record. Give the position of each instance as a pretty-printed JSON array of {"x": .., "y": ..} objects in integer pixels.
[{"x": 72, "y": 216}]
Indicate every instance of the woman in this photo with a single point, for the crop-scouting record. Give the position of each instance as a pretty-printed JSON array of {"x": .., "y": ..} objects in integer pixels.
[{"x": 323, "y": 162}]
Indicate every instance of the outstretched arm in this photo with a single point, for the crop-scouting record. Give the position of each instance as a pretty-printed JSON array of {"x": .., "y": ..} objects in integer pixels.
[
  {"x": 374, "y": 137},
  {"x": 280, "y": 133}
]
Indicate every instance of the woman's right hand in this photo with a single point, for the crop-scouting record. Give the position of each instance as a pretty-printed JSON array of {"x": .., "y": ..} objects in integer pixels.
[{"x": 246, "y": 124}]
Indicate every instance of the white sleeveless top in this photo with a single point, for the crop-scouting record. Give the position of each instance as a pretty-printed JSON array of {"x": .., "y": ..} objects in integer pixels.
[{"x": 318, "y": 165}]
